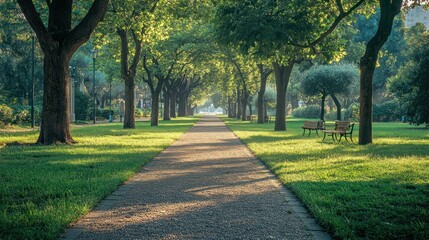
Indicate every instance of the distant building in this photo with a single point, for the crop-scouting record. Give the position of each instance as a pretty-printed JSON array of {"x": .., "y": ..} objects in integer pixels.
[{"x": 417, "y": 15}]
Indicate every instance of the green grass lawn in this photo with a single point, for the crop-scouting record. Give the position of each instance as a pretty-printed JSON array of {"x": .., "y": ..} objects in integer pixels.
[
  {"x": 45, "y": 188},
  {"x": 378, "y": 191}
]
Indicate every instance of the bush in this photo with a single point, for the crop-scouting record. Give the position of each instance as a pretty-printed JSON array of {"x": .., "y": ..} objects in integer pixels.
[
  {"x": 352, "y": 113},
  {"x": 332, "y": 115},
  {"x": 82, "y": 106},
  {"x": 387, "y": 111},
  {"x": 106, "y": 112},
  {"x": 6, "y": 115},
  {"x": 138, "y": 112},
  {"x": 310, "y": 111}
]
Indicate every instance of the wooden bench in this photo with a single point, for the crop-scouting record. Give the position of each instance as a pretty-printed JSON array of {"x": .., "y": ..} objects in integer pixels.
[
  {"x": 342, "y": 128},
  {"x": 313, "y": 125}
]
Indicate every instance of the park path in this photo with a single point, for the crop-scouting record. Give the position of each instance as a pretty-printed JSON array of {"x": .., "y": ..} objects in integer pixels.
[{"x": 207, "y": 185}]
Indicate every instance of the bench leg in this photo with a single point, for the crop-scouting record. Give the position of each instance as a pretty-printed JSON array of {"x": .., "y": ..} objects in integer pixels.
[
  {"x": 333, "y": 139},
  {"x": 303, "y": 132},
  {"x": 309, "y": 132},
  {"x": 351, "y": 139},
  {"x": 341, "y": 136},
  {"x": 317, "y": 133},
  {"x": 324, "y": 136},
  {"x": 345, "y": 137}
]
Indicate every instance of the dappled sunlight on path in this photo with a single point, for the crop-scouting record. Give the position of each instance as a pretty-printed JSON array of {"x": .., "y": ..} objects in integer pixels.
[{"x": 207, "y": 185}]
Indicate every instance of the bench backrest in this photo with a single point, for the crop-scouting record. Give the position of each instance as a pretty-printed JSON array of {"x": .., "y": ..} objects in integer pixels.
[
  {"x": 344, "y": 126},
  {"x": 310, "y": 124}
]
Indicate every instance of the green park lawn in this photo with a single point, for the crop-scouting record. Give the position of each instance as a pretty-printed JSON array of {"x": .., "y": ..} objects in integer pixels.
[
  {"x": 45, "y": 188},
  {"x": 378, "y": 191}
]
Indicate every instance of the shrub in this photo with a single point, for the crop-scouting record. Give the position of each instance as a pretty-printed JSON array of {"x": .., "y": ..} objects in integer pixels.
[
  {"x": 310, "y": 111},
  {"x": 352, "y": 113},
  {"x": 387, "y": 111},
  {"x": 82, "y": 106},
  {"x": 139, "y": 112},
  {"x": 6, "y": 115},
  {"x": 332, "y": 115}
]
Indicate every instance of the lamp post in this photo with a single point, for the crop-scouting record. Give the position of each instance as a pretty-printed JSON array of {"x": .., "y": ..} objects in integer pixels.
[
  {"x": 32, "y": 80},
  {"x": 94, "y": 56}
]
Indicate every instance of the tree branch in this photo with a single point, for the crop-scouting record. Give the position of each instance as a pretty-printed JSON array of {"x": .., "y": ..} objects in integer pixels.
[
  {"x": 33, "y": 18},
  {"x": 84, "y": 29},
  {"x": 337, "y": 20}
]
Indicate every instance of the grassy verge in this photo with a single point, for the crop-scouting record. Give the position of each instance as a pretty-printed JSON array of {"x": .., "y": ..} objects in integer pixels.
[
  {"x": 378, "y": 191},
  {"x": 45, "y": 188}
]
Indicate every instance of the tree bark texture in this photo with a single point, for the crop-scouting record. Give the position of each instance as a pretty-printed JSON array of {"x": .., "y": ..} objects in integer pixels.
[
  {"x": 59, "y": 42},
  {"x": 282, "y": 75},
  {"x": 322, "y": 107},
  {"x": 129, "y": 119},
  {"x": 128, "y": 73},
  {"x": 389, "y": 9},
  {"x": 154, "y": 116},
  {"x": 167, "y": 97},
  {"x": 239, "y": 108},
  {"x": 264, "y": 73},
  {"x": 173, "y": 100},
  {"x": 244, "y": 101},
  {"x": 338, "y": 105},
  {"x": 183, "y": 104}
]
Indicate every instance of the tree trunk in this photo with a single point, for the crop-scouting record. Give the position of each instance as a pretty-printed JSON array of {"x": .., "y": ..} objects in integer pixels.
[
  {"x": 282, "y": 74},
  {"x": 59, "y": 42},
  {"x": 55, "y": 127},
  {"x": 167, "y": 106},
  {"x": 239, "y": 108},
  {"x": 129, "y": 119},
  {"x": 322, "y": 108},
  {"x": 173, "y": 99},
  {"x": 264, "y": 76},
  {"x": 389, "y": 9},
  {"x": 182, "y": 105},
  {"x": 230, "y": 108},
  {"x": 244, "y": 100},
  {"x": 154, "y": 118},
  {"x": 338, "y": 105}
]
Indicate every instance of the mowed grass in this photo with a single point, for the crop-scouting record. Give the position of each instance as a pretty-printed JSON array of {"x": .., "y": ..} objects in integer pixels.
[
  {"x": 45, "y": 188},
  {"x": 378, "y": 191}
]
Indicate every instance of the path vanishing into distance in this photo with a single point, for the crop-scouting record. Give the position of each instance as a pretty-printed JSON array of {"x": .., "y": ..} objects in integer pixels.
[{"x": 207, "y": 185}]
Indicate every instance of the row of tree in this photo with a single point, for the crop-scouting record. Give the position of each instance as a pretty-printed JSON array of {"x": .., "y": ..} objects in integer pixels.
[{"x": 177, "y": 47}]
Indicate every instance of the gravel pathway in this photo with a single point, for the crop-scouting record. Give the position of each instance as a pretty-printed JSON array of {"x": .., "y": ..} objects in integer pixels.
[{"x": 207, "y": 185}]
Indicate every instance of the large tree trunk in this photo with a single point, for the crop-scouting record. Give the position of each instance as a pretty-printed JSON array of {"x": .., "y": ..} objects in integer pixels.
[
  {"x": 282, "y": 74},
  {"x": 55, "y": 127},
  {"x": 338, "y": 105},
  {"x": 244, "y": 100},
  {"x": 59, "y": 42},
  {"x": 322, "y": 107},
  {"x": 154, "y": 118},
  {"x": 129, "y": 119},
  {"x": 167, "y": 106},
  {"x": 389, "y": 9}
]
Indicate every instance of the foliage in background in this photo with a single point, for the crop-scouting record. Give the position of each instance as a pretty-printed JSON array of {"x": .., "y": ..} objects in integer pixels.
[{"x": 411, "y": 85}]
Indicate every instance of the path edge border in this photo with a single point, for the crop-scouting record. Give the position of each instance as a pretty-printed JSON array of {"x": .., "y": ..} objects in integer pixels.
[{"x": 298, "y": 206}]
